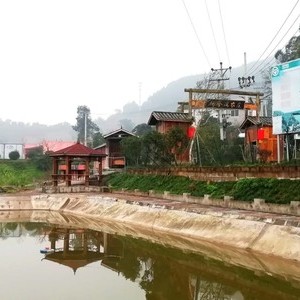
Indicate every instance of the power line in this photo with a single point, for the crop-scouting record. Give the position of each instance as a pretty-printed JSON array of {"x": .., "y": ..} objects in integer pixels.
[
  {"x": 276, "y": 45},
  {"x": 195, "y": 31},
  {"x": 275, "y": 35},
  {"x": 212, "y": 30},
  {"x": 227, "y": 52}
]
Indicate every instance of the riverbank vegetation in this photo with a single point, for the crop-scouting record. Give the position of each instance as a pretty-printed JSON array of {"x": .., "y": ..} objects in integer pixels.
[
  {"x": 22, "y": 174},
  {"x": 280, "y": 191}
]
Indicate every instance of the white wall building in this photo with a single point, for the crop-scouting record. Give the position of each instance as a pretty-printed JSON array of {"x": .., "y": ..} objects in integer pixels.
[{"x": 6, "y": 148}]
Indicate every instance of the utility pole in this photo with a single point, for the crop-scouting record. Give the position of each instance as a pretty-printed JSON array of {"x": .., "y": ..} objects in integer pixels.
[
  {"x": 244, "y": 81},
  {"x": 85, "y": 129},
  {"x": 219, "y": 76}
]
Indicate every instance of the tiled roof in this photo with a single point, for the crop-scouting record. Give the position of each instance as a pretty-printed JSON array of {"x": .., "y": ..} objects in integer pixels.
[
  {"x": 256, "y": 121},
  {"x": 157, "y": 116},
  {"x": 77, "y": 150},
  {"x": 118, "y": 131}
]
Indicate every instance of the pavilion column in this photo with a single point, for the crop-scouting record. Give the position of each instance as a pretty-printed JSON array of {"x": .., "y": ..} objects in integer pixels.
[
  {"x": 85, "y": 243},
  {"x": 68, "y": 171},
  {"x": 87, "y": 171},
  {"x": 105, "y": 242},
  {"x": 55, "y": 171},
  {"x": 100, "y": 170},
  {"x": 66, "y": 243}
]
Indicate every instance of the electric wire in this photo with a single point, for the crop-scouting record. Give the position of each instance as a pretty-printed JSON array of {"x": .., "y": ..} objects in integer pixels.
[
  {"x": 195, "y": 32},
  {"x": 224, "y": 35},
  {"x": 275, "y": 35},
  {"x": 271, "y": 60},
  {"x": 212, "y": 30},
  {"x": 257, "y": 68}
]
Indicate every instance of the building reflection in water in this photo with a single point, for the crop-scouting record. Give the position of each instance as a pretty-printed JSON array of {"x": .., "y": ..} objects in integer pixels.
[
  {"x": 79, "y": 248},
  {"x": 162, "y": 272}
]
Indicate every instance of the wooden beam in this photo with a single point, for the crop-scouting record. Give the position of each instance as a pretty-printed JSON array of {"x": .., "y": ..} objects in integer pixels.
[{"x": 226, "y": 92}]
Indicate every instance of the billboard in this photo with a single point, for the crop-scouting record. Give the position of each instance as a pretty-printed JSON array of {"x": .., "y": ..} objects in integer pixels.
[{"x": 286, "y": 97}]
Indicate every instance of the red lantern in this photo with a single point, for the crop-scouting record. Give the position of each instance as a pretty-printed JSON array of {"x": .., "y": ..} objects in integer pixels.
[
  {"x": 191, "y": 132},
  {"x": 260, "y": 134}
]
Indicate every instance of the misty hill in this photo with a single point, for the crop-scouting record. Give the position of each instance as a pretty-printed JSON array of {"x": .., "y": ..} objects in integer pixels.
[
  {"x": 166, "y": 99},
  {"x": 19, "y": 132}
]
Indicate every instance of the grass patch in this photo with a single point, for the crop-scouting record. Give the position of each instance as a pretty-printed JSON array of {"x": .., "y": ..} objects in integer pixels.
[
  {"x": 19, "y": 173},
  {"x": 272, "y": 190}
]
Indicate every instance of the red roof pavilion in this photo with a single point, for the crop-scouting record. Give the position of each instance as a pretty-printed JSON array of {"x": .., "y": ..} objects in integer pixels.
[{"x": 68, "y": 156}]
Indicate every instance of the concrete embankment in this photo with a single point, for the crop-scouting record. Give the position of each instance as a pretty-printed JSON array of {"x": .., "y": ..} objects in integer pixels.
[{"x": 262, "y": 233}]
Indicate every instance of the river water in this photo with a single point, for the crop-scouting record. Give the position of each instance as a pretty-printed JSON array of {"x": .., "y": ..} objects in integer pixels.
[{"x": 82, "y": 263}]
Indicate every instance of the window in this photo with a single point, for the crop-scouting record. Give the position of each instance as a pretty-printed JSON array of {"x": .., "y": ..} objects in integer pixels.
[{"x": 235, "y": 113}]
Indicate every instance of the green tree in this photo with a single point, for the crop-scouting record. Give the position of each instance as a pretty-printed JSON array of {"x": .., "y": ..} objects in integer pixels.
[
  {"x": 213, "y": 151},
  {"x": 35, "y": 153},
  {"x": 154, "y": 149},
  {"x": 42, "y": 160},
  {"x": 177, "y": 143},
  {"x": 84, "y": 125},
  {"x": 132, "y": 148},
  {"x": 141, "y": 129},
  {"x": 98, "y": 139},
  {"x": 14, "y": 155},
  {"x": 290, "y": 52}
]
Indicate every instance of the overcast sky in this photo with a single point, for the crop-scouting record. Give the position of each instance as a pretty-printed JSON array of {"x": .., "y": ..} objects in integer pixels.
[{"x": 56, "y": 55}]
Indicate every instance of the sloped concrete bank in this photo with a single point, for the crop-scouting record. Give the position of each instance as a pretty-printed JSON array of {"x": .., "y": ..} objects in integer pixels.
[{"x": 245, "y": 232}]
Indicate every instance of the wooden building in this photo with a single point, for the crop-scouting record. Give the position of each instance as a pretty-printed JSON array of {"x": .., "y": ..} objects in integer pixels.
[
  {"x": 114, "y": 157},
  {"x": 260, "y": 144},
  {"x": 165, "y": 121}
]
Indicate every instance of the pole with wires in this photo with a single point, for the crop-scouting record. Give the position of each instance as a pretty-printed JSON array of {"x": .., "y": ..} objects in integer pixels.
[
  {"x": 220, "y": 77},
  {"x": 85, "y": 129}
]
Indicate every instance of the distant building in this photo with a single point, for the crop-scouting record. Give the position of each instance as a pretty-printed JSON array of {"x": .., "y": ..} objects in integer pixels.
[
  {"x": 6, "y": 148},
  {"x": 47, "y": 146}
]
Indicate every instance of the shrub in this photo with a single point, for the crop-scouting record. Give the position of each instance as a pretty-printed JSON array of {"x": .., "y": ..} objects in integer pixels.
[{"x": 14, "y": 155}]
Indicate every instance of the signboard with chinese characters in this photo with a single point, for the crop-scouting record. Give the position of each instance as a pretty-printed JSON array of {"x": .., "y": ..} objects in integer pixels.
[
  {"x": 197, "y": 104},
  {"x": 217, "y": 104},
  {"x": 286, "y": 97},
  {"x": 224, "y": 104}
]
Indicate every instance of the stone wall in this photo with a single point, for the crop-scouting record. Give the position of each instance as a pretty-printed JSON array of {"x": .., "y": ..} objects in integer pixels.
[
  {"x": 230, "y": 173},
  {"x": 257, "y": 205}
]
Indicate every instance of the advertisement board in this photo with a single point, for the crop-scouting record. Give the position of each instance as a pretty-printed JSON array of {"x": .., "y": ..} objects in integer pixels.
[{"x": 286, "y": 97}]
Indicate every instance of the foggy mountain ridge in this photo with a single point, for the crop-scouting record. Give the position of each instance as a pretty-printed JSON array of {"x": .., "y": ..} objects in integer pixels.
[{"x": 165, "y": 99}]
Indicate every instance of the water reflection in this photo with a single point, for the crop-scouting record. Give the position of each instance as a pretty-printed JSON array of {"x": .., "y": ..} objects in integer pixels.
[{"x": 162, "y": 272}]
